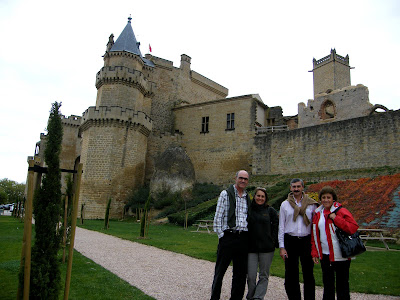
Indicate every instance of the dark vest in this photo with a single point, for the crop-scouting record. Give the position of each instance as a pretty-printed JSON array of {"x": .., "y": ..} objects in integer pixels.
[{"x": 232, "y": 206}]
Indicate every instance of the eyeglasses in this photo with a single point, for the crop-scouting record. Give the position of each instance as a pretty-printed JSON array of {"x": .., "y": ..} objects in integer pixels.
[{"x": 243, "y": 178}]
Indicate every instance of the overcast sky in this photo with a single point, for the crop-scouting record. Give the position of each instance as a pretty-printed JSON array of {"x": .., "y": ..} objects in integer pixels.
[{"x": 51, "y": 51}]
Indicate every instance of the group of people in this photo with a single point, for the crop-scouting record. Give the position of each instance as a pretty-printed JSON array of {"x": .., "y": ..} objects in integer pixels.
[{"x": 249, "y": 231}]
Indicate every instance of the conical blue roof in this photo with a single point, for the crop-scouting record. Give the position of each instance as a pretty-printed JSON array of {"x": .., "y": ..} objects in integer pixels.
[{"x": 127, "y": 41}]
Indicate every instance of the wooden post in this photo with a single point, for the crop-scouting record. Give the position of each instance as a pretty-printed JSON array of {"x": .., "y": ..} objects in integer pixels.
[
  {"x": 65, "y": 227},
  {"x": 27, "y": 238},
  {"x": 73, "y": 229}
]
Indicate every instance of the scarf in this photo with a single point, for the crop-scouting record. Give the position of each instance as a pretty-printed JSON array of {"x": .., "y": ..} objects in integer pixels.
[{"x": 301, "y": 210}]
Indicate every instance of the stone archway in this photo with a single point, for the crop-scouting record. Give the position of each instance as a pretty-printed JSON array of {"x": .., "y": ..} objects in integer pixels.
[
  {"x": 378, "y": 106},
  {"x": 328, "y": 110}
]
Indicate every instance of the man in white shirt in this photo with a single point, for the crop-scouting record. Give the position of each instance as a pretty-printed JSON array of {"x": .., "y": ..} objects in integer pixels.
[
  {"x": 295, "y": 217},
  {"x": 230, "y": 224}
]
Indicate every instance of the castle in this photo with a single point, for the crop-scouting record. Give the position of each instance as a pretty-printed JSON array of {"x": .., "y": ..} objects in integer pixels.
[{"x": 167, "y": 126}]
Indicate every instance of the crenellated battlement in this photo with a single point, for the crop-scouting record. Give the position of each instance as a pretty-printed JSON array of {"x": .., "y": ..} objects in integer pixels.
[
  {"x": 125, "y": 75},
  {"x": 115, "y": 114},
  {"x": 71, "y": 120},
  {"x": 330, "y": 58}
]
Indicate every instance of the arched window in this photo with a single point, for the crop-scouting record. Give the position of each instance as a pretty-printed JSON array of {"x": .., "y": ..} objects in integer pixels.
[{"x": 328, "y": 110}]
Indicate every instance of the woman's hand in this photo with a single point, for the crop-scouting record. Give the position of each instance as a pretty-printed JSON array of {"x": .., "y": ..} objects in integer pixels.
[
  {"x": 315, "y": 260},
  {"x": 332, "y": 216}
]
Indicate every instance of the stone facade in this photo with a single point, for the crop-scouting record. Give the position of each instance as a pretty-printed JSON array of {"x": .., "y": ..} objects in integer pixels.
[
  {"x": 363, "y": 142},
  {"x": 338, "y": 105},
  {"x": 331, "y": 72},
  {"x": 216, "y": 146},
  {"x": 146, "y": 108}
]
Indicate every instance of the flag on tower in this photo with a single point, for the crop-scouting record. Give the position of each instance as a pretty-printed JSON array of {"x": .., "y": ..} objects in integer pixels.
[{"x": 149, "y": 48}]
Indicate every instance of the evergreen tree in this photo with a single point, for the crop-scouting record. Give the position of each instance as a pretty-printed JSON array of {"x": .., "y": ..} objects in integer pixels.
[{"x": 45, "y": 274}]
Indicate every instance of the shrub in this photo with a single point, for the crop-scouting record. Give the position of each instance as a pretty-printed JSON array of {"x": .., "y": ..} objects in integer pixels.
[
  {"x": 198, "y": 212},
  {"x": 45, "y": 275}
]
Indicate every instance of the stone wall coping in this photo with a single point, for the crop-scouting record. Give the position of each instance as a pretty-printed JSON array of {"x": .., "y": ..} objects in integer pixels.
[{"x": 255, "y": 97}]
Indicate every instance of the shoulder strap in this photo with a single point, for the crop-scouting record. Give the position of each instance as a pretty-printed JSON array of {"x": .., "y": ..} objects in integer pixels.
[{"x": 336, "y": 209}]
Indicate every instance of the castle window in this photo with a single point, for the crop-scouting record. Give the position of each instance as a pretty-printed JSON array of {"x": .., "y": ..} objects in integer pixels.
[
  {"x": 204, "y": 124},
  {"x": 328, "y": 110},
  {"x": 230, "y": 121}
]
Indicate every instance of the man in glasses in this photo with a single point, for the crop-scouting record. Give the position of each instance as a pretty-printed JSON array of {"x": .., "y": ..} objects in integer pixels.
[{"x": 230, "y": 224}]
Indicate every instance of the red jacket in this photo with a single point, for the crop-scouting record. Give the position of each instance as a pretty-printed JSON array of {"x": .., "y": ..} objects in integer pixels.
[{"x": 344, "y": 220}]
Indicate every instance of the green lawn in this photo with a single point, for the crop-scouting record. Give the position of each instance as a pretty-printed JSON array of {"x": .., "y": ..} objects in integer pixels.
[
  {"x": 373, "y": 272},
  {"x": 89, "y": 280}
]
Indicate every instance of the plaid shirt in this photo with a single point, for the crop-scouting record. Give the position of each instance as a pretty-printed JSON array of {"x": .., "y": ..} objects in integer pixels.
[{"x": 221, "y": 214}]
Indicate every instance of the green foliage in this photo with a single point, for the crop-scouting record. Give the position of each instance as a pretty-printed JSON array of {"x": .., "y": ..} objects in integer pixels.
[
  {"x": 175, "y": 202},
  {"x": 167, "y": 199},
  {"x": 137, "y": 199},
  {"x": 278, "y": 193},
  {"x": 69, "y": 195},
  {"x": 203, "y": 192},
  {"x": 45, "y": 275},
  {"x": 89, "y": 280},
  {"x": 11, "y": 191},
  {"x": 107, "y": 215},
  {"x": 145, "y": 217},
  {"x": 195, "y": 213}
]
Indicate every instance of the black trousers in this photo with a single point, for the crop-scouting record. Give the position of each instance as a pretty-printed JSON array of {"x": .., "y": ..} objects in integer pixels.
[
  {"x": 341, "y": 268},
  {"x": 299, "y": 248},
  {"x": 232, "y": 247}
]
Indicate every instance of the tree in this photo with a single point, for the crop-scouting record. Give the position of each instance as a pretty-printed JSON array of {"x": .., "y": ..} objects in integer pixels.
[
  {"x": 145, "y": 218},
  {"x": 11, "y": 191},
  {"x": 45, "y": 276}
]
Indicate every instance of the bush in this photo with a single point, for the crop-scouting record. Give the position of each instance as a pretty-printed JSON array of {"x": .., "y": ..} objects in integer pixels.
[
  {"x": 195, "y": 213},
  {"x": 137, "y": 199}
]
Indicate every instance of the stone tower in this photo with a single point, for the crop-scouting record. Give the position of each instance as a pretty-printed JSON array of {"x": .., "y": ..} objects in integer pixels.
[
  {"x": 331, "y": 72},
  {"x": 114, "y": 133}
]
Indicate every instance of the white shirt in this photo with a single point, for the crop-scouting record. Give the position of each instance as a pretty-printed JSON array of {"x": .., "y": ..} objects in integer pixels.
[
  {"x": 322, "y": 234},
  {"x": 287, "y": 225}
]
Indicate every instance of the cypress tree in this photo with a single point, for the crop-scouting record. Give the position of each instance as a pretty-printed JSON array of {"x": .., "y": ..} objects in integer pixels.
[{"x": 45, "y": 275}]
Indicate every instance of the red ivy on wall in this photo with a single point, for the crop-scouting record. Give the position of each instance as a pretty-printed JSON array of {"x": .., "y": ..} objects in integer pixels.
[{"x": 366, "y": 198}]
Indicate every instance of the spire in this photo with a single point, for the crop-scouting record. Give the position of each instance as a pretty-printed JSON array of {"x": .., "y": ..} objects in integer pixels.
[{"x": 127, "y": 41}]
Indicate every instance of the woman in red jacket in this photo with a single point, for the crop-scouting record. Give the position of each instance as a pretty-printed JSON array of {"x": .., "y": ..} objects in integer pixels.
[{"x": 325, "y": 245}]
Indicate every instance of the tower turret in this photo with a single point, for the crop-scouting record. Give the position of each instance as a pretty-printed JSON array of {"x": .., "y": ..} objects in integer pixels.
[
  {"x": 115, "y": 132},
  {"x": 121, "y": 81},
  {"x": 331, "y": 72}
]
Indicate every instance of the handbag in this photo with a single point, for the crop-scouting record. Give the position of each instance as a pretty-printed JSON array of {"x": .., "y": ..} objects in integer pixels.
[{"x": 350, "y": 245}]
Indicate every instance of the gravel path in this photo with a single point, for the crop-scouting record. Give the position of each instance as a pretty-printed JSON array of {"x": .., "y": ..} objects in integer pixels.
[{"x": 166, "y": 275}]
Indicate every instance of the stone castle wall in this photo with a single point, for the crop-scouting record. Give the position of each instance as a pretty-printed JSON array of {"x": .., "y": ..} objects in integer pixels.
[
  {"x": 114, "y": 145},
  {"x": 363, "y": 142},
  {"x": 175, "y": 86},
  {"x": 217, "y": 154},
  {"x": 348, "y": 102}
]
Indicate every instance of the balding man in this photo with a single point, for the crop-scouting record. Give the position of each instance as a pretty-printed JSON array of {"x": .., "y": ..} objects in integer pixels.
[{"x": 230, "y": 223}]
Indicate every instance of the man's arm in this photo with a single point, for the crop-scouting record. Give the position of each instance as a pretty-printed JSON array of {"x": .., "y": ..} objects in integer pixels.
[
  {"x": 281, "y": 232},
  {"x": 219, "y": 214}
]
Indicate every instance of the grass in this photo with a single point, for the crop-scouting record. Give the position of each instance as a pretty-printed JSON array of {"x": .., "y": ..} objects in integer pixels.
[
  {"x": 373, "y": 272},
  {"x": 88, "y": 281}
]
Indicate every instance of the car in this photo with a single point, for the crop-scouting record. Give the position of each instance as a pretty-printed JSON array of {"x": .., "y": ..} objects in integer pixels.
[{"x": 9, "y": 206}]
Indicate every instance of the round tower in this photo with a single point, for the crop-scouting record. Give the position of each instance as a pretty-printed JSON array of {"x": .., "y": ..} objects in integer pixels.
[{"x": 115, "y": 132}]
